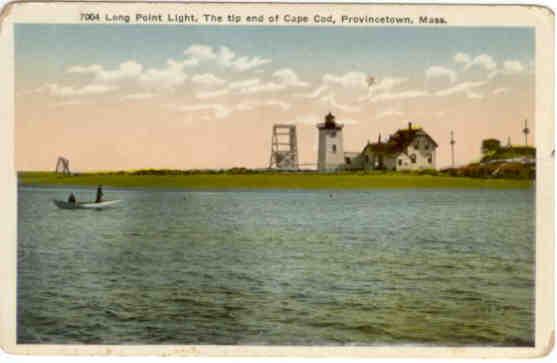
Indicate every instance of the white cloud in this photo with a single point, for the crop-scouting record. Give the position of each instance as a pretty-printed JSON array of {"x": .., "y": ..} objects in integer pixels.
[
  {"x": 348, "y": 80},
  {"x": 288, "y": 78},
  {"x": 199, "y": 53},
  {"x": 68, "y": 103},
  {"x": 440, "y": 113},
  {"x": 315, "y": 93},
  {"x": 513, "y": 66},
  {"x": 171, "y": 76},
  {"x": 500, "y": 91},
  {"x": 474, "y": 95},
  {"x": 388, "y": 96},
  {"x": 90, "y": 69},
  {"x": 138, "y": 96},
  {"x": 263, "y": 87},
  {"x": 330, "y": 99},
  {"x": 218, "y": 110},
  {"x": 211, "y": 94},
  {"x": 484, "y": 61},
  {"x": 349, "y": 121},
  {"x": 246, "y": 106},
  {"x": 222, "y": 111},
  {"x": 461, "y": 58},
  {"x": 281, "y": 104},
  {"x": 388, "y": 83},
  {"x": 225, "y": 57},
  {"x": 246, "y": 63},
  {"x": 282, "y": 79},
  {"x": 244, "y": 84},
  {"x": 440, "y": 72},
  {"x": 463, "y": 87},
  {"x": 388, "y": 113},
  {"x": 67, "y": 91},
  {"x": 207, "y": 79},
  {"x": 385, "y": 85},
  {"x": 126, "y": 70},
  {"x": 510, "y": 67}
]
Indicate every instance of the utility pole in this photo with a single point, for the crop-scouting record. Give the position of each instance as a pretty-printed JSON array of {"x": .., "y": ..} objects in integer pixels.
[
  {"x": 452, "y": 149},
  {"x": 526, "y": 131}
]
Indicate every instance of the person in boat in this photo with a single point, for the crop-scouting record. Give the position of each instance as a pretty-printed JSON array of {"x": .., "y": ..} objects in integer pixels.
[
  {"x": 100, "y": 194},
  {"x": 71, "y": 198}
]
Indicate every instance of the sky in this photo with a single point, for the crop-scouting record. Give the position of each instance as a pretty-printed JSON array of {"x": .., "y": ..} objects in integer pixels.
[{"x": 114, "y": 97}]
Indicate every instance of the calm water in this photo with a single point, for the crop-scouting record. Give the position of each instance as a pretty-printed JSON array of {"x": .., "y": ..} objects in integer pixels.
[{"x": 442, "y": 267}]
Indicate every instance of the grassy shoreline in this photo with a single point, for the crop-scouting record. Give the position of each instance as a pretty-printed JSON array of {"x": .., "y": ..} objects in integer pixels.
[{"x": 269, "y": 180}]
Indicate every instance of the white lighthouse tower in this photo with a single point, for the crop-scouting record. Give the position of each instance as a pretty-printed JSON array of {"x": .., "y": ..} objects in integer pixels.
[{"x": 331, "y": 152}]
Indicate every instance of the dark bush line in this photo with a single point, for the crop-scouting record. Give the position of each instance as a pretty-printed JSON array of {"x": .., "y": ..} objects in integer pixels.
[
  {"x": 510, "y": 152},
  {"x": 476, "y": 170},
  {"x": 496, "y": 170},
  {"x": 235, "y": 171}
]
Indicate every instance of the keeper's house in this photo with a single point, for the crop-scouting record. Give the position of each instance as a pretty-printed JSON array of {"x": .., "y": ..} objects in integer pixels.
[{"x": 407, "y": 149}]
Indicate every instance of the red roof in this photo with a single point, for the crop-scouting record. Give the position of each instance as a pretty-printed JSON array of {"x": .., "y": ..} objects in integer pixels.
[{"x": 399, "y": 141}]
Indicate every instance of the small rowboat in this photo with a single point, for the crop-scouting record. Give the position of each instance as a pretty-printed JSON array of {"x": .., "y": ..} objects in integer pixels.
[{"x": 85, "y": 205}]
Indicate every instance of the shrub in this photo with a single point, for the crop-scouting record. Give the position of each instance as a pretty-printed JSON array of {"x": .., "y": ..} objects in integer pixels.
[
  {"x": 428, "y": 172},
  {"x": 490, "y": 146}
]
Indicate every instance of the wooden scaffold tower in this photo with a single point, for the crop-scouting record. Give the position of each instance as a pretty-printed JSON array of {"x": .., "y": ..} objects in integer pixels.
[
  {"x": 284, "y": 148},
  {"x": 63, "y": 166}
]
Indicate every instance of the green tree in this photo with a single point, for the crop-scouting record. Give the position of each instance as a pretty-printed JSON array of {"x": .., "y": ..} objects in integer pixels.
[{"x": 490, "y": 145}]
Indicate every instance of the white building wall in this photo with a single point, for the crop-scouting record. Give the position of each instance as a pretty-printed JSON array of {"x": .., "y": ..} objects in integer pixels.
[
  {"x": 403, "y": 162},
  {"x": 331, "y": 150},
  {"x": 422, "y": 148}
]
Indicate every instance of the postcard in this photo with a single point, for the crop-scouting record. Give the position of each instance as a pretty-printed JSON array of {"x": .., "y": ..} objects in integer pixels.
[{"x": 277, "y": 179}]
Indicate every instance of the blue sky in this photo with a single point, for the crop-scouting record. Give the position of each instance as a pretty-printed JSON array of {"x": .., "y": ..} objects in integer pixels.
[
  {"x": 239, "y": 80},
  {"x": 308, "y": 49}
]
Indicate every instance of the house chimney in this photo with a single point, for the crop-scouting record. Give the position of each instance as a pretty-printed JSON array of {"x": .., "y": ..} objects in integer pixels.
[{"x": 410, "y": 126}]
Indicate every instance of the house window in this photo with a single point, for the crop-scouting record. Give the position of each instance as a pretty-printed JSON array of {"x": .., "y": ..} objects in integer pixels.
[
  {"x": 334, "y": 149},
  {"x": 413, "y": 158},
  {"x": 347, "y": 160},
  {"x": 426, "y": 146},
  {"x": 429, "y": 159},
  {"x": 333, "y": 134},
  {"x": 399, "y": 162}
]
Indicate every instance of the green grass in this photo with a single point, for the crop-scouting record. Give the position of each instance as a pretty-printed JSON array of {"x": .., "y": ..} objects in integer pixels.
[{"x": 270, "y": 180}]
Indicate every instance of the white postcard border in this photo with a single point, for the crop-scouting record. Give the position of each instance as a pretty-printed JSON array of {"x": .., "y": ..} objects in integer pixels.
[{"x": 457, "y": 15}]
